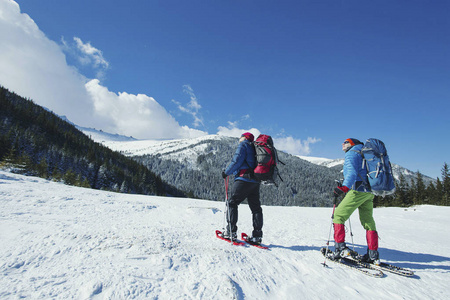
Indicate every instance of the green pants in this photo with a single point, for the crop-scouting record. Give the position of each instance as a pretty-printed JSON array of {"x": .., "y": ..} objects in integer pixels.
[{"x": 352, "y": 201}]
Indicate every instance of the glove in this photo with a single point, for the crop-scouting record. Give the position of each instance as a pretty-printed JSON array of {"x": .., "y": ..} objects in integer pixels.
[
  {"x": 339, "y": 190},
  {"x": 224, "y": 175}
]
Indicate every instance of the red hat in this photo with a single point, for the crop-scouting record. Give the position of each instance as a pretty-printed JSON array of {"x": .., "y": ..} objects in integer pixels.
[
  {"x": 353, "y": 141},
  {"x": 248, "y": 136}
]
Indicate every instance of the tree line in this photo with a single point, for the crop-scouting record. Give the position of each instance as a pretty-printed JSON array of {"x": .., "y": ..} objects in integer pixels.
[{"x": 416, "y": 192}]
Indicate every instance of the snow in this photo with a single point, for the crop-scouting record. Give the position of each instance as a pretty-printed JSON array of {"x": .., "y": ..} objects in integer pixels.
[
  {"x": 329, "y": 163},
  {"x": 182, "y": 150},
  {"x": 162, "y": 147},
  {"x": 101, "y": 136},
  {"x": 58, "y": 241}
]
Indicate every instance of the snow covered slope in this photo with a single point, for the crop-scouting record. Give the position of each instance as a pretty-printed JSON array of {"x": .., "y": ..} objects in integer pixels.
[
  {"x": 181, "y": 149},
  {"x": 162, "y": 147},
  {"x": 58, "y": 241},
  {"x": 326, "y": 162},
  {"x": 100, "y": 136}
]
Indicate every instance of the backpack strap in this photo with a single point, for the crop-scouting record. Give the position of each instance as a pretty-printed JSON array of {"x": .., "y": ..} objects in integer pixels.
[
  {"x": 363, "y": 158},
  {"x": 364, "y": 166}
]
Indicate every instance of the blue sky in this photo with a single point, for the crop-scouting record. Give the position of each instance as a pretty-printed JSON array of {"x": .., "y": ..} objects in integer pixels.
[{"x": 310, "y": 73}]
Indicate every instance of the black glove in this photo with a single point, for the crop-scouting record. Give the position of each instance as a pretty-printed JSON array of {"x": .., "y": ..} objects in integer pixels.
[
  {"x": 224, "y": 175},
  {"x": 339, "y": 190}
]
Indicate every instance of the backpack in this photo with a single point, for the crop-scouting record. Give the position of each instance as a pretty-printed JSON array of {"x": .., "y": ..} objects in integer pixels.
[
  {"x": 266, "y": 169},
  {"x": 378, "y": 166}
]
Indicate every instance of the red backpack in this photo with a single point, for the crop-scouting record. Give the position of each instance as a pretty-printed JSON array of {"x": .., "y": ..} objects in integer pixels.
[{"x": 266, "y": 169}]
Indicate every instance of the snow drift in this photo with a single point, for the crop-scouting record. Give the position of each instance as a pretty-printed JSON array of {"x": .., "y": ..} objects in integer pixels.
[{"x": 58, "y": 241}]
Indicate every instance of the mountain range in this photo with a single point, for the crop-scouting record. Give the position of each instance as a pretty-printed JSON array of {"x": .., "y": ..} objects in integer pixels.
[{"x": 194, "y": 165}]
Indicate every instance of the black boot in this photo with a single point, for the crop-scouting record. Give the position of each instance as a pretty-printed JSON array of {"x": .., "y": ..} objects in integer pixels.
[
  {"x": 341, "y": 250},
  {"x": 371, "y": 257},
  {"x": 255, "y": 240}
]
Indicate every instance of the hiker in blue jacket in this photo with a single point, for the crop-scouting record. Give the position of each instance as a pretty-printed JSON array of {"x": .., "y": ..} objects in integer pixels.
[
  {"x": 244, "y": 187},
  {"x": 357, "y": 195}
]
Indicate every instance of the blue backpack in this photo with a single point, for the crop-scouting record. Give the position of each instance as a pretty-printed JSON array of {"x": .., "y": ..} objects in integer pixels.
[{"x": 379, "y": 170}]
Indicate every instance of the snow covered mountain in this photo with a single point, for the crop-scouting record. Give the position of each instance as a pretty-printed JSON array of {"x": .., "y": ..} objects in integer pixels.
[
  {"x": 195, "y": 166},
  {"x": 326, "y": 162},
  {"x": 183, "y": 150},
  {"x": 64, "y": 242},
  {"x": 179, "y": 150}
]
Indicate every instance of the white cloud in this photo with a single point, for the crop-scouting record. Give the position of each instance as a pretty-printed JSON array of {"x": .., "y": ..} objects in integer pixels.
[
  {"x": 233, "y": 131},
  {"x": 194, "y": 102},
  {"x": 192, "y": 108},
  {"x": 35, "y": 67},
  {"x": 294, "y": 146},
  {"x": 286, "y": 144},
  {"x": 91, "y": 55},
  {"x": 137, "y": 115}
]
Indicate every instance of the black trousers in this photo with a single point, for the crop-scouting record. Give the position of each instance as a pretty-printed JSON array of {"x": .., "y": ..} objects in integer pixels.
[{"x": 245, "y": 190}]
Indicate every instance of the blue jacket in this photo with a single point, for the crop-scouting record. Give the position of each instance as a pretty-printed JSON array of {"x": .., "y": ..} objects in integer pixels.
[
  {"x": 243, "y": 159},
  {"x": 354, "y": 171}
]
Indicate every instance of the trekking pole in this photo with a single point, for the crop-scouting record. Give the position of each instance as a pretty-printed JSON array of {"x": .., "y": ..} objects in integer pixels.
[
  {"x": 351, "y": 234},
  {"x": 339, "y": 183},
  {"x": 329, "y": 234}
]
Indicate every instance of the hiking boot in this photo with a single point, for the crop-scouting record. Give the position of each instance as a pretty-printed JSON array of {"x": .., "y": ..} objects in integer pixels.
[
  {"x": 232, "y": 237},
  {"x": 371, "y": 257},
  {"x": 255, "y": 240},
  {"x": 341, "y": 251}
]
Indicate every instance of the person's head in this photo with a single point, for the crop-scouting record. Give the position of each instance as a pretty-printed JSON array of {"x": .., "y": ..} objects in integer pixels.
[
  {"x": 247, "y": 136},
  {"x": 348, "y": 143}
]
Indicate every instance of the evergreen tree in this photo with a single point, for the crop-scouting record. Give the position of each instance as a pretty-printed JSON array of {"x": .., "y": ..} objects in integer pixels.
[
  {"x": 439, "y": 193},
  {"x": 412, "y": 193},
  {"x": 4, "y": 146},
  {"x": 56, "y": 174},
  {"x": 42, "y": 168},
  {"x": 124, "y": 187},
  {"x": 446, "y": 184},
  {"x": 431, "y": 193},
  {"x": 420, "y": 189},
  {"x": 402, "y": 192},
  {"x": 70, "y": 178},
  {"x": 10, "y": 159}
]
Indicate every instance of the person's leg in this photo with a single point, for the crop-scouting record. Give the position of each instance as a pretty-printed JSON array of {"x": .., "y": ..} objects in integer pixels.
[
  {"x": 366, "y": 212},
  {"x": 255, "y": 206},
  {"x": 368, "y": 222},
  {"x": 238, "y": 195},
  {"x": 341, "y": 214}
]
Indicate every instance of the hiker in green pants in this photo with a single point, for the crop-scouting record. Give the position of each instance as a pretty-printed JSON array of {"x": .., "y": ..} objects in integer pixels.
[{"x": 357, "y": 196}]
